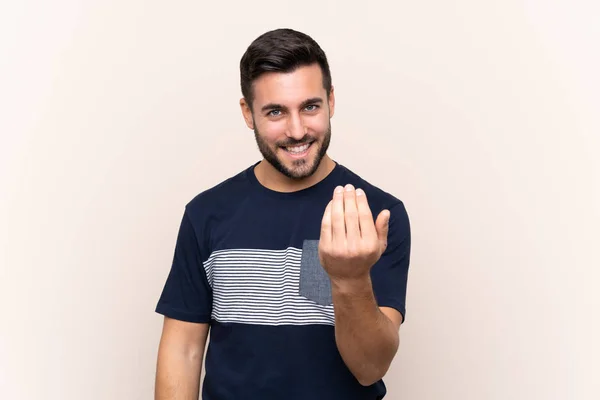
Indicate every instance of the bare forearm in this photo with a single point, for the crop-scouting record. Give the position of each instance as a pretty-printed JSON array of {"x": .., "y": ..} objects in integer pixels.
[
  {"x": 366, "y": 338},
  {"x": 177, "y": 376}
]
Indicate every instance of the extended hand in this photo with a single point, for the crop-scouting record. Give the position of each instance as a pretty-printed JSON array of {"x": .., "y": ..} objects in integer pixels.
[{"x": 351, "y": 242}]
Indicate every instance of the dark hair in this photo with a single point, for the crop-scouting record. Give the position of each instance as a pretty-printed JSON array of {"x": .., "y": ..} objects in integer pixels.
[{"x": 281, "y": 50}]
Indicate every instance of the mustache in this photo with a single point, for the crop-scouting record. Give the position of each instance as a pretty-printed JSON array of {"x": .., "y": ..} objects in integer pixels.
[{"x": 292, "y": 142}]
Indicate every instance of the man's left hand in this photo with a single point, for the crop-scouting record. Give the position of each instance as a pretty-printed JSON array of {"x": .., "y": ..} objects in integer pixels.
[{"x": 351, "y": 242}]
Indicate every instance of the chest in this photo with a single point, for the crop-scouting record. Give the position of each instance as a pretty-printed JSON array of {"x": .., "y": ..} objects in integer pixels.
[{"x": 267, "y": 271}]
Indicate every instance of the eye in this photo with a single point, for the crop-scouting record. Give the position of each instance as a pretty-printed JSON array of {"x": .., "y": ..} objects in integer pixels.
[
  {"x": 311, "y": 107},
  {"x": 274, "y": 113}
]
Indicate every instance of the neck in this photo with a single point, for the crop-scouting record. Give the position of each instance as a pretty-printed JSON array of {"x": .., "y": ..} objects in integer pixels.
[{"x": 272, "y": 179}]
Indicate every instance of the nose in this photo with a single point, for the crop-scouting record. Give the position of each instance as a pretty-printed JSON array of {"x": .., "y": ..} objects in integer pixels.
[{"x": 295, "y": 128}]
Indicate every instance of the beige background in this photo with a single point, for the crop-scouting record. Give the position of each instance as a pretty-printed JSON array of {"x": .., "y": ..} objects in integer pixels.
[{"x": 483, "y": 116}]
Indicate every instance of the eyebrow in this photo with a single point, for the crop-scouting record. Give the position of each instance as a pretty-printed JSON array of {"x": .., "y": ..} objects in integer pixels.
[{"x": 275, "y": 106}]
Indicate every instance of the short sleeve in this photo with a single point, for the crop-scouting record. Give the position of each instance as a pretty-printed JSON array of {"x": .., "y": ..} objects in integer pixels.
[
  {"x": 187, "y": 294},
  {"x": 390, "y": 274}
]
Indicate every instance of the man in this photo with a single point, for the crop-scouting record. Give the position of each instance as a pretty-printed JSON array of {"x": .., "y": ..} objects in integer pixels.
[{"x": 296, "y": 265}]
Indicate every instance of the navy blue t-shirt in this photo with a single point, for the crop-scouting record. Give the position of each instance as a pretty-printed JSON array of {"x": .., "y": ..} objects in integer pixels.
[{"x": 246, "y": 261}]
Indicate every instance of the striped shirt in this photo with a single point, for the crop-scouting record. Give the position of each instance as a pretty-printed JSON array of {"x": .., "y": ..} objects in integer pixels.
[{"x": 246, "y": 262}]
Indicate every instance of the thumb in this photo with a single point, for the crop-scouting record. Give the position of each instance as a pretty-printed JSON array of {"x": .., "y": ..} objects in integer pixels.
[{"x": 383, "y": 225}]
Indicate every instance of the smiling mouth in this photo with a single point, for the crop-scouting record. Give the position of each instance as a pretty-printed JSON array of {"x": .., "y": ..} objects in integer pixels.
[{"x": 298, "y": 149}]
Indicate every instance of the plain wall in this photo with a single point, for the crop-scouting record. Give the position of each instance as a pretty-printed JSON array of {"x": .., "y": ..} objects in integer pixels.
[{"x": 482, "y": 116}]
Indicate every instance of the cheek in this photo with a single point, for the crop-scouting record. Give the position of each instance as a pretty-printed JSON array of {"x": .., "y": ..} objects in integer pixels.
[
  {"x": 318, "y": 125},
  {"x": 271, "y": 131}
]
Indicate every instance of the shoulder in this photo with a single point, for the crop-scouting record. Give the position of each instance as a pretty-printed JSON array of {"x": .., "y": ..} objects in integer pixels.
[
  {"x": 379, "y": 200},
  {"x": 378, "y": 197},
  {"x": 220, "y": 197}
]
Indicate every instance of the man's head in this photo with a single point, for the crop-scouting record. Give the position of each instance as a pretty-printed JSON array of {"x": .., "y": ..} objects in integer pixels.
[{"x": 288, "y": 100}]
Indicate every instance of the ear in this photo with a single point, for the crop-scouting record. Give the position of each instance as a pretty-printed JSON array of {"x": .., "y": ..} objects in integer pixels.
[
  {"x": 331, "y": 102},
  {"x": 247, "y": 113}
]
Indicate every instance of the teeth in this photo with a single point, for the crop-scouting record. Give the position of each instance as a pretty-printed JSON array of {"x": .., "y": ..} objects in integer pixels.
[{"x": 298, "y": 149}]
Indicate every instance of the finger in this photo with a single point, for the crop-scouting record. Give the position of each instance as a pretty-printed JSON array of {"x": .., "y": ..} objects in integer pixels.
[
  {"x": 338, "y": 225},
  {"x": 351, "y": 217},
  {"x": 326, "y": 224},
  {"x": 383, "y": 227},
  {"x": 365, "y": 216}
]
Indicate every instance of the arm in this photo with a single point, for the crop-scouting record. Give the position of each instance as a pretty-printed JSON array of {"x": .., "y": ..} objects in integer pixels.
[
  {"x": 180, "y": 355},
  {"x": 366, "y": 335},
  {"x": 186, "y": 303},
  {"x": 351, "y": 243}
]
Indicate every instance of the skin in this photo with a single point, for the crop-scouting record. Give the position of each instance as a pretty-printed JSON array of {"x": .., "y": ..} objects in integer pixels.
[
  {"x": 290, "y": 109},
  {"x": 179, "y": 364},
  {"x": 367, "y": 335}
]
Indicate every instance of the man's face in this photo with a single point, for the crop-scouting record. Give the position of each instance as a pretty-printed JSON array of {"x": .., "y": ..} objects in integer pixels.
[{"x": 291, "y": 120}]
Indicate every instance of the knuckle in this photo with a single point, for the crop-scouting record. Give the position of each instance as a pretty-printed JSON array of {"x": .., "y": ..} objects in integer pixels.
[
  {"x": 342, "y": 255},
  {"x": 372, "y": 249},
  {"x": 353, "y": 252}
]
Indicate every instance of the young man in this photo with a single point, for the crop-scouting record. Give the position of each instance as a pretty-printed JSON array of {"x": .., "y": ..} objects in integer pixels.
[{"x": 296, "y": 265}]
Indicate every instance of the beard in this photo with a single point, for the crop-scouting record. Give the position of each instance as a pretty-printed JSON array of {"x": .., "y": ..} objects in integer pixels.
[{"x": 299, "y": 169}]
